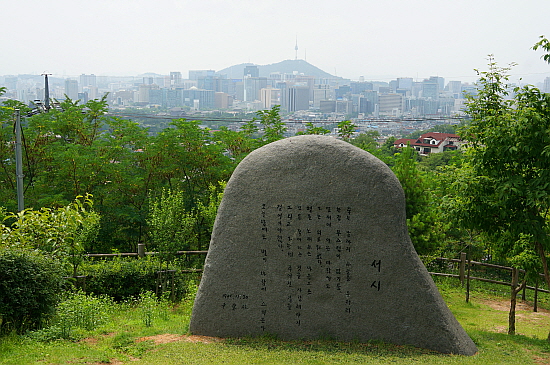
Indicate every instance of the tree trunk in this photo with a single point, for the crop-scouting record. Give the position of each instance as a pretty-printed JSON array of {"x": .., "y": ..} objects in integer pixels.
[
  {"x": 515, "y": 289},
  {"x": 542, "y": 255}
]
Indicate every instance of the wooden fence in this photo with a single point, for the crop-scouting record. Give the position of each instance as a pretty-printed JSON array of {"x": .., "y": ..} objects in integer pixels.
[{"x": 463, "y": 275}]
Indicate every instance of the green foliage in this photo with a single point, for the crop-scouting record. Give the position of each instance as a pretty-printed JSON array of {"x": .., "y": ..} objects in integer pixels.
[
  {"x": 273, "y": 127},
  {"x": 151, "y": 308},
  {"x": 440, "y": 128},
  {"x": 366, "y": 141},
  {"x": 445, "y": 158},
  {"x": 346, "y": 129},
  {"x": 65, "y": 233},
  {"x": 77, "y": 314},
  {"x": 205, "y": 214},
  {"x": 30, "y": 284},
  {"x": 124, "y": 278},
  {"x": 425, "y": 229},
  {"x": 508, "y": 194},
  {"x": 312, "y": 129},
  {"x": 174, "y": 227},
  {"x": 544, "y": 44},
  {"x": 171, "y": 225},
  {"x": 236, "y": 144}
]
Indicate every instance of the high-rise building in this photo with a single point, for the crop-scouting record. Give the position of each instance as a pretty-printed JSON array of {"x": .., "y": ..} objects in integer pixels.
[
  {"x": 430, "y": 89},
  {"x": 440, "y": 81},
  {"x": 11, "y": 82},
  {"x": 298, "y": 98},
  {"x": 175, "y": 79},
  {"x": 196, "y": 74},
  {"x": 87, "y": 80},
  {"x": 251, "y": 71},
  {"x": 322, "y": 92},
  {"x": 222, "y": 100},
  {"x": 405, "y": 83},
  {"x": 327, "y": 106},
  {"x": 455, "y": 88},
  {"x": 71, "y": 89},
  {"x": 391, "y": 104},
  {"x": 546, "y": 87},
  {"x": 252, "y": 87},
  {"x": 199, "y": 99},
  {"x": 270, "y": 97},
  {"x": 359, "y": 87}
]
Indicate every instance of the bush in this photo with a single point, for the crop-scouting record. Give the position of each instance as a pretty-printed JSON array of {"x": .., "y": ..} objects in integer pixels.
[
  {"x": 125, "y": 278},
  {"x": 75, "y": 315},
  {"x": 30, "y": 284}
]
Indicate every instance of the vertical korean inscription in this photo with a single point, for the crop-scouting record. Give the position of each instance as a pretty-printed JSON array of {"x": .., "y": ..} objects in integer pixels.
[
  {"x": 263, "y": 267},
  {"x": 315, "y": 244}
]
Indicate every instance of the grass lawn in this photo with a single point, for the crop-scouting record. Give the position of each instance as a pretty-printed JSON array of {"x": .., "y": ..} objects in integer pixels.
[{"x": 125, "y": 339}]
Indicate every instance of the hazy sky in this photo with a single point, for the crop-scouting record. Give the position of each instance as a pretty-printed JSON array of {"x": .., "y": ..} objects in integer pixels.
[{"x": 378, "y": 39}]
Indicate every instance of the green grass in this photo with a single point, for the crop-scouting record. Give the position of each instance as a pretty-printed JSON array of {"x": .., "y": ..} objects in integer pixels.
[{"x": 127, "y": 339}]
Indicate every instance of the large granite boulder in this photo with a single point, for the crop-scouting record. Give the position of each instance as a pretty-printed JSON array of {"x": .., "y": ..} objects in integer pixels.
[{"x": 311, "y": 241}]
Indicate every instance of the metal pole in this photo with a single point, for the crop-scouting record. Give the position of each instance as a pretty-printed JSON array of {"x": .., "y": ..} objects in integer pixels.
[{"x": 19, "y": 161}]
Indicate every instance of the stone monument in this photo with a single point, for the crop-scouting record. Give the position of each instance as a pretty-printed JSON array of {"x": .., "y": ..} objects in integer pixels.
[{"x": 311, "y": 241}]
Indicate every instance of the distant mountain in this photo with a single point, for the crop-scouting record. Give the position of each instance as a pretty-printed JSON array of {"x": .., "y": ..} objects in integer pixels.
[{"x": 287, "y": 66}]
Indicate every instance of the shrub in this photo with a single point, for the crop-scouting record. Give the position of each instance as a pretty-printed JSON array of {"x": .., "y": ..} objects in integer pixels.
[
  {"x": 76, "y": 314},
  {"x": 30, "y": 284},
  {"x": 125, "y": 278}
]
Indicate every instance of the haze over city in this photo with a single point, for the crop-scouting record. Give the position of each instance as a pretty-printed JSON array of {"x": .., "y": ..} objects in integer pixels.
[{"x": 349, "y": 38}]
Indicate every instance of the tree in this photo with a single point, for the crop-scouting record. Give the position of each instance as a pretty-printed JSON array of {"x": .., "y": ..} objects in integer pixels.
[
  {"x": 507, "y": 194},
  {"x": 544, "y": 44},
  {"x": 312, "y": 129},
  {"x": 237, "y": 144},
  {"x": 346, "y": 129},
  {"x": 424, "y": 228},
  {"x": 366, "y": 141},
  {"x": 171, "y": 225},
  {"x": 274, "y": 128},
  {"x": 64, "y": 233}
]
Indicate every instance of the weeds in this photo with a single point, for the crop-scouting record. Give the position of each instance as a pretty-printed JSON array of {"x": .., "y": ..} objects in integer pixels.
[
  {"x": 151, "y": 308},
  {"x": 75, "y": 315}
]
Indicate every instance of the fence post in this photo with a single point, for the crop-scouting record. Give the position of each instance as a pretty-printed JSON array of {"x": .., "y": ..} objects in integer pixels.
[
  {"x": 468, "y": 282},
  {"x": 462, "y": 267},
  {"x": 535, "y": 304},
  {"x": 141, "y": 250}
]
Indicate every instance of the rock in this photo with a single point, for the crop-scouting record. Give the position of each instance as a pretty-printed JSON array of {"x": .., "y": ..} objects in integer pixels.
[{"x": 311, "y": 241}]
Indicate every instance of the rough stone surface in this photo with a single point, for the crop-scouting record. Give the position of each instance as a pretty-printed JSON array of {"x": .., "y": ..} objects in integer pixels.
[{"x": 310, "y": 241}]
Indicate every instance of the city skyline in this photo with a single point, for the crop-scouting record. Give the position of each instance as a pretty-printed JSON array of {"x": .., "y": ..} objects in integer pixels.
[{"x": 379, "y": 41}]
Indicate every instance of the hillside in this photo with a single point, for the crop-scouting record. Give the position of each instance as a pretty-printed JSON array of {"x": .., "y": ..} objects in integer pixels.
[{"x": 287, "y": 66}]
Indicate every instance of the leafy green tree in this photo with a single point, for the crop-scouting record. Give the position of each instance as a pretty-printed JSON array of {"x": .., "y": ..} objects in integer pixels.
[
  {"x": 440, "y": 128},
  {"x": 171, "y": 225},
  {"x": 346, "y": 129},
  {"x": 426, "y": 231},
  {"x": 65, "y": 232},
  {"x": 205, "y": 214},
  {"x": 30, "y": 284},
  {"x": 237, "y": 144},
  {"x": 367, "y": 141},
  {"x": 435, "y": 160},
  {"x": 312, "y": 129},
  {"x": 507, "y": 194},
  {"x": 273, "y": 127},
  {"x": 250, "y": 128},
  {"x": 543, "y": 44}
]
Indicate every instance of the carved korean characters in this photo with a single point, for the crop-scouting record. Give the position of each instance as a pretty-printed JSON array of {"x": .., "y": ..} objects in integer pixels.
[{"x": 311, "y": 241}]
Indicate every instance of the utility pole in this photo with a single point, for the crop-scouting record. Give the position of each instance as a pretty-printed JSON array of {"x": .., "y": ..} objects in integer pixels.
[
  {"x": 46, "y": 92},
  {"x": 19, "y": 161},
  {"x": 18, "y": 145}
]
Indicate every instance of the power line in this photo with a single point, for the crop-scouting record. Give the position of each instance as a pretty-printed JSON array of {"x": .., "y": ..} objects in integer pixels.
[{"x": 290, "y": 120}]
